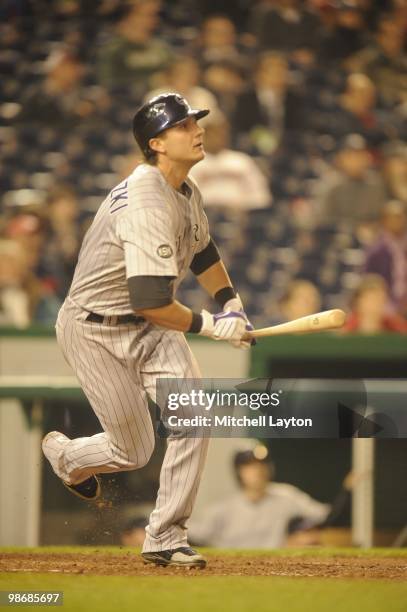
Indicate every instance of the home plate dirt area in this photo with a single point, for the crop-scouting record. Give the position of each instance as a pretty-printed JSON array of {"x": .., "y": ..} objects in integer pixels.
[{"x": 129, "y": 563}]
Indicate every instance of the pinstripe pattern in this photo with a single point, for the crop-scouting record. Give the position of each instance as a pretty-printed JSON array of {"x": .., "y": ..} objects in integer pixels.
[
  {"x": 125, "y": 235},
  {"x": 118, "y": 366}
]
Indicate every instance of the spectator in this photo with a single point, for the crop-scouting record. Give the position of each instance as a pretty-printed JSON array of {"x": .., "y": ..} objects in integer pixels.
[
  {"x": 385, "y": 60},
  {"x": 357, "y": 113},
  {"x": 134, "y": 54},
  {"x": 237, "y": 11},
  {"x": 63, "y": 239},
  {"x": 183, "y": 76},
  {"x": 388, "y": 255},
  {"x": 287, "y": 26},
  {"x": 375, "y": 9},
  {"x": 259, "y": 515},
  {"x": 14, "y": 299},
  {"x": 218, "y": 41},
  {"x": 359, "y": 102},
  {"x": 395, "y": 170},
  {"x": 268, "y": 108},
  {"x": 300, "y": 299},
  {"x": 229, "y": 178},
  {"x": 23, "y": 298},
  {"x": 60, "y": 101},
  {"x": 355, "y": 194},
  {"x": 369, "y": 309},
  {"x": 225, "y": 80},
  {"x": 28, "y": 231},
  {"x": 347, "y": 36}
]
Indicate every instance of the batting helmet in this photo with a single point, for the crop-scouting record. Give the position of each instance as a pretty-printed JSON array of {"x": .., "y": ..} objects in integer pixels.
[{"x": 158, "y": 114}]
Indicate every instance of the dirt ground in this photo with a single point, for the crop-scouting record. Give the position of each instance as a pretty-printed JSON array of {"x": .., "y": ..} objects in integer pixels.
[{"x": 130, "y": 564}]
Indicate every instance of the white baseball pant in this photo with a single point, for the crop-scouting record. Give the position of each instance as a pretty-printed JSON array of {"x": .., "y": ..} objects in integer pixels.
[{"x": 117, "y": 366}]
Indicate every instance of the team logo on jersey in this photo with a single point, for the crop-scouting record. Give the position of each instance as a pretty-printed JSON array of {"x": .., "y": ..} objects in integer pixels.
[{"x": 164, "y": 251}]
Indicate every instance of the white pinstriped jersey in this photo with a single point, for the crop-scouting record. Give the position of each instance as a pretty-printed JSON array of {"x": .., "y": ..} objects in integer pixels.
[{"x": 143, "y": 227}]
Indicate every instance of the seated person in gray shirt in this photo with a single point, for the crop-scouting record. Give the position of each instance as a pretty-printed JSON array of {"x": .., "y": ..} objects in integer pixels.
[
  {"x": 353, "y": 193},
  {"x": 261, "y": 514}
]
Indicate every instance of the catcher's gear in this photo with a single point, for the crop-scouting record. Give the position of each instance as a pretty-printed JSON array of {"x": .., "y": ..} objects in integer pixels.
[{"x": 158, "y": 114}]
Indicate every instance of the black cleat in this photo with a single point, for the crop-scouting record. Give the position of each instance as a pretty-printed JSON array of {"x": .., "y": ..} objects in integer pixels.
[
  {"x": 179, "y": 557},
  {"x": 88, "y": 490},
  {"x": 52, "y": 445}
]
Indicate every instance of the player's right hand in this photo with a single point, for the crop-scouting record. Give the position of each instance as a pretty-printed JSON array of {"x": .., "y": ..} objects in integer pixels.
[{"x": 228, "y": 325}]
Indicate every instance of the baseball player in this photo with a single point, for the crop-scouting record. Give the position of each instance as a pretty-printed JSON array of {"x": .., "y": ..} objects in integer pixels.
[{"x": 120, "y": 327}]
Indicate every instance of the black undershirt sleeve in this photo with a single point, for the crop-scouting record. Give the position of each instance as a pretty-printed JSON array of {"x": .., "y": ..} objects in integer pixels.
[
  {"x": 150, "y": 291},
  {"x": 205, "y": 259}
]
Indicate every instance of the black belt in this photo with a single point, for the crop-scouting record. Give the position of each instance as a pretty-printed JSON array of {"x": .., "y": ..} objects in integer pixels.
[{"x": 115, "y": 319}]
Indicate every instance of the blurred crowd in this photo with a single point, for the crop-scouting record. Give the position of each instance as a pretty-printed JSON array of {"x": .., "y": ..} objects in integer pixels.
[{"x": 305, "y": 178}]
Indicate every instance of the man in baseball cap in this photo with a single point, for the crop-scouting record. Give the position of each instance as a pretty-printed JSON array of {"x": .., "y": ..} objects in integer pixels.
[
  {"x": 158, "y": 114},
  {"x": 149, "y": 230},
  {"x": 260, "y": 513}
]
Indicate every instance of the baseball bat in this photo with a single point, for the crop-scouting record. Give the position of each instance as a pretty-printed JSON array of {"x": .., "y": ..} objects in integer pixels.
[{"x": 321, "y": 321}]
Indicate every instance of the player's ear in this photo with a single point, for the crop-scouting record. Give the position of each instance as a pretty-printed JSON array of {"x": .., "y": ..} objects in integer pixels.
[{"x": 157, "y": 145}]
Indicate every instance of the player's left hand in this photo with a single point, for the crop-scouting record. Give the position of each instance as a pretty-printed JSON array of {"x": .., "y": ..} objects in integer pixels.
[{"x": 235, "y": 304}]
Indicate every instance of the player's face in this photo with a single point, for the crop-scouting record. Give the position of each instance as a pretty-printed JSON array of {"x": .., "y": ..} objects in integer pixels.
[
  {"x": 183, "y": 143},
  {"x": 254, "y": 476}
]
